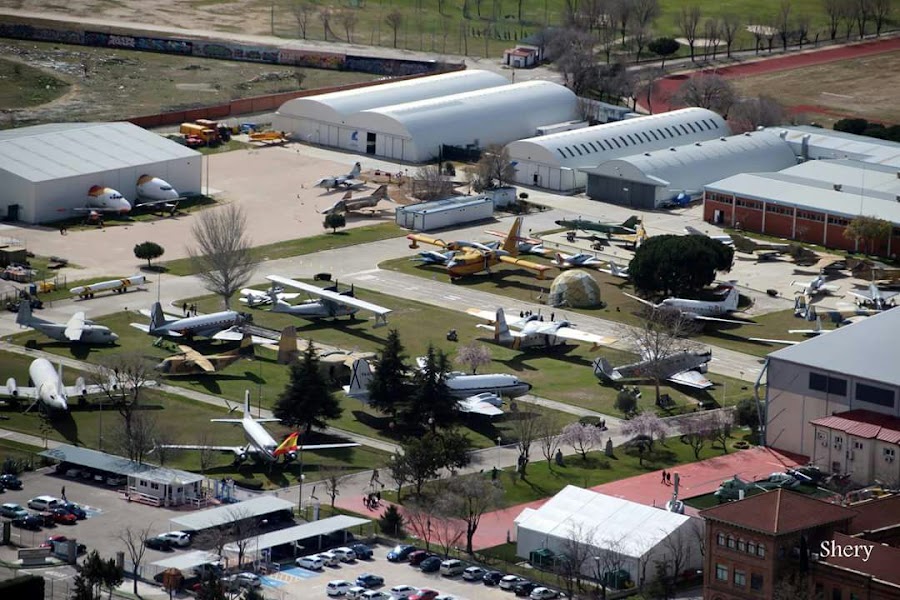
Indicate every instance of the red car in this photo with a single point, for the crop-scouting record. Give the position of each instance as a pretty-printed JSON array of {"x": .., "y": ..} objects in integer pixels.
[
  {"x": 416, "y": 558},
  {"x": 53, "y": 538},
  {"x": 61, "y": 515},
  {"x": 425, "y": 594}
]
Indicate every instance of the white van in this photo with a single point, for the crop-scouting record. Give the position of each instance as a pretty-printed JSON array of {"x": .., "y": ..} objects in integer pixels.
[
  {"x": 313, "y": 563},
  {"x": 452, "y": 568},
  {"x": 44, "y": 503}
]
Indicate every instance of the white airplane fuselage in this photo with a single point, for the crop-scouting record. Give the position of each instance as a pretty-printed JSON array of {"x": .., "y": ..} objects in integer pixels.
[
  {"x": 259, "y": 440},
  {"x": 49, "y": 388},
  {"x": 189, "y": 325},
  {"x": 312, "y": 309},
  {"x": 462, "y": 385},
  {"x": 107, "y": 199},
  {"x": 697, "y": 307},
  {"x": 154, "y": 189}
]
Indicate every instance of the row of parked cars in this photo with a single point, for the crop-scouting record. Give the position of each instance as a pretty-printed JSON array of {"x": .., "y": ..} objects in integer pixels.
[
  {"x": 334, "y": 557},
  {"x": 169, "y": 540},
  {"x": 48, "y": 511}
]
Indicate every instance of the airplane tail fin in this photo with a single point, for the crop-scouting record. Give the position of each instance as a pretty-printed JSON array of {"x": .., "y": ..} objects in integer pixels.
[
  {"x": 501, "y": 329},
  {"x": 632, "y": 221},
  {"x": 604, "y": 370},
  {"x": 157, "y": 316},
  {"x": 511, "y": 243},
  {"x": 247, "y": 414},
  {"x": 360, "y": 376},
  {"x": 731, "y": 300},
  {"x": 287, "y": 346},
  {"x": 355, "y": 172},
  {"x": 247, "y": 349},
  {"x": 347, "y": 196},
  {"x": 23, "y": 317},
  {"x": 381, "y": 193}
]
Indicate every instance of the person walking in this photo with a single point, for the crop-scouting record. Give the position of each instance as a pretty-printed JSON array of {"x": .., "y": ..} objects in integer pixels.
[{"x": 663, "y": 477}]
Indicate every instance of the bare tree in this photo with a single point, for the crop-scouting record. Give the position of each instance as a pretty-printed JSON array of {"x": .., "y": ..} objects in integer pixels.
[
  {"x": 495, "y": 168},
  {"x": 577, "y": 549},
  {"x": 418, "y": 516},
  {"x": 469, "y": 498},
  {"x": 242, "y": 529},
  {"x": 400, "y": 473},
  {"x": 689, "y": 24},
  {"x": 750, "y": 113},
  {"x": 881, "y": 11},
  {"x": 582, "y": 437},
  {"x": 607, "y": 37},
  {"x": 394, "y": 20},
  {"x": 549, "y": 434},
  {"x": 348, "y": 20},
  {"x": 141, "y": 439},
  {"x": 676, "y": 556},
  {"x": 641, "y": 36},
  {"x": 862, "y": 11},
  {"x": 730, "y": 26},
  {"x": 696, "y": 431},
  {"x": 785, "y": 22},
  {"x": 792, "y": 585},
  {"x": 698, "y": 533},
  {"x": 712, "y": 33},
  {"x": 610, "y": 559},
  {"x": 473, "y": 355},
  {"x": 803, "y": 25},
  {"x": 622, "y": 12},
  {"x": 572, "y": 53},
  {"x": 333, "y": 482},
  {"x": 134, "y": 544},
  {"x": 303, "y": 12},
  {"x": 707, "y": 90},
  {"x": 720, "y": 423},
  {"x": 661, "y": 335},
  {"x": 525, "y": 428},
  {"x": 448, "y": 531},
  {"x": 833, "y": 10},
  {"x": 848, "y": 21},
  {"x": 205, "y": 453},
  {"x": 645, "y": 14},
  {"x": 221, "y": 254},
  {"x": 429, "y": 184}
]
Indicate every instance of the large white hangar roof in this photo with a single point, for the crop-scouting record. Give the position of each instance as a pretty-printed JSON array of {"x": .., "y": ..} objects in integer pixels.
[
  {"x": 334, "y": 107},
  {"x": 592, "y": 146},
  {"x": 690, "y": 166},
  {"x": 56, "y": 151},
  {"x": 815, "y": 142},
  {"x": 486, "y": 116}
]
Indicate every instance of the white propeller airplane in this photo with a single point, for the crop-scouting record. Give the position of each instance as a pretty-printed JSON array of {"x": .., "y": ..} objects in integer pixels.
[
  {"x": 476, "y": 394},
  {"x": 224, "y": 325},
  {"x": 119, "y": 286},
  {"x": 260, "y": 446},
  {"x": 534, "y": 332},
  {"x": 615, "y": 270},
  {"x": 77, "y": 329},
  {"x": 814, "y": 287},
  {"x": 329, "y": 302},
  {"x": 702, "y": 310},
  {"x": 348, "y": 181},
  {"x": 684, "y": 368},
  {"x": 815, "y": 331},
  {"x": 571, "y": 261}
]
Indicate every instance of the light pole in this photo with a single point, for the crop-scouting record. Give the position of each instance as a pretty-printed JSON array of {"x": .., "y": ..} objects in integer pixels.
[{"x": 300, "y": 482}]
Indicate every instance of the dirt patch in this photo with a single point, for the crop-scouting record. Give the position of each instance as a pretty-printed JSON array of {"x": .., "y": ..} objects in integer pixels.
[
  {"x": 860, "y": 87},
  {"x": 110, "y": 84}
]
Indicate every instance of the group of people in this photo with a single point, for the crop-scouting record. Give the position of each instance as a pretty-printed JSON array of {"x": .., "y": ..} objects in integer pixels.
[
  {"x": 524, "y": 314},
  {"x": 189, "y": 311},
  {"x": 372, "y": 501},
  {"x": 666, "y": 478}
]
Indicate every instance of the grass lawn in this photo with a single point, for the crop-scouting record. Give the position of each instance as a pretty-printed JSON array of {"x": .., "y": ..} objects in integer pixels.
[
  {"x": 300, "y": 246},
  {"x": 27, "y": 86},
  {"x": 23, "y": 454}
]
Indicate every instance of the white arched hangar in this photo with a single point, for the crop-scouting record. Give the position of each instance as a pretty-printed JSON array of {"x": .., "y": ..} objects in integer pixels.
[
  {"x": 554, "y": 161},
  {"x": 321, "y": 119},
  {"x": 415, "y": 131},
  {"x": 651, "y": 179}
]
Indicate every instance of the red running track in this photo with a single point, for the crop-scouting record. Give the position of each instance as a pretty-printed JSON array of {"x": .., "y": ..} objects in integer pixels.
[{"x": 666, "y": 87}]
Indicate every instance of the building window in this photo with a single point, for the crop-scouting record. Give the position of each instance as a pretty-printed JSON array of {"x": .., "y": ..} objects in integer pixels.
[
  {"x": 756, "y": 581},
  {"x": 631, "y": 139},
  {"x": 761, "y": 551},
  {"x": 720, "y": 539},
  {"x": 742, "y": 546},
  {"x": 888, "y": 453},
  {"x": 721, "y": 572},
  {"x": 830, "y": 385},
  {"x": 836, "y": 594},
  {"x": 874, "y": 395},
  {"x": 751, "y": 547},
  {"x": 857, "y": 445},
  {"x": 731, "y": 543},
  {"x": 740, "y": 578}
]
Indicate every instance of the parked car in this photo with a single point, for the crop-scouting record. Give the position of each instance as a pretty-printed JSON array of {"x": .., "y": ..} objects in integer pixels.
[
  {"x": 10, "y": 481},
  {"x": 313, "y": 563},
  {"x": 492, "y": 578},
  {"x": 243, "y": 580},
  {"x": 445, "y": 597},
  {"x": 375, "y": 595},
  {"x": 432, "y": 564},
  {"x": 211, "y": 569},
  {"x": 329, "y": 558},
  {"x": 368, "y": 580},
  {"x": 338, "y": 587},
  {"x": 28, "y": 522},
  {"x": 452, "y": 567},
  {"x": 12, "y": 510},
  {"x": 400, "y": 552},
  {"x": 58, "y": 539},
  {"x": 75, "y": 510},
  {"x": 425, "y": 594},
  {"x": 115, "y": 481},
  {"x": 345, "y": 554},
  {"x": 362, "y": 551},
  {"x": 179, "y": 538},
  {"x": 524, "y": 588},
  {"x": 61, "y": 515},
  {"x": 355, "y": 592},
  {"x": 416, "y": 557},
  {"x": 542, "y": 593},
  {"x": 474, "y": 574},
  {"x": 510, "y": 581},
  {"x": 403, "y": 592},
  {"x": 159, "y": 542},
  {"x": 44, "y": 503}
]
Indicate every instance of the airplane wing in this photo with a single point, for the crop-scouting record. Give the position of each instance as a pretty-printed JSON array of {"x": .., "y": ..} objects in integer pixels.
[
  {"x": 197, "y": 358},
  {"x": 527, "y": 264},
  {"x": 80, "y": 389},
  {"x": 830, "y": 288},
  {"x": 503, "y": 234},
  {"x": 866, "y": 295},
  {"x": 570, "y": 333},
  {"x": 238, "y": 450},
  {"x": 75, "y": 327},
  {"x": 415, "y": 237},
  {"x": 721, "y": 320},
  {"x": 770, "y": 341},
  {"x": 380, "y": 312},
  {"x": 96, "y": 209},
  {"x": 239, "y": 421},
  {"x": 234, "y": 334},
  {"x": 474, "y": 405},
  {"x": 326, "y": 446},
  {"x": 491, "y": 317},
  {"x": 693, "y": 379},
  {"x": 641, "y": 300},
  {"x": 22, "y": 392},
  {"x": 146, "y": 312}
]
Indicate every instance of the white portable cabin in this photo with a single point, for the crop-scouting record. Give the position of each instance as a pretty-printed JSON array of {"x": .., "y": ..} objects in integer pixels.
[{"x": 439, "y": 214}]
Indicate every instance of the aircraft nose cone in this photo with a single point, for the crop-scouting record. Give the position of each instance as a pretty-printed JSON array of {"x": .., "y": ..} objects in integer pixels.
[{"x": 113, "y": 336}]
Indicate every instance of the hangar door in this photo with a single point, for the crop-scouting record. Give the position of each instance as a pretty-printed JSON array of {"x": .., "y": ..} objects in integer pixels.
[{"x": 624, "y": 193}]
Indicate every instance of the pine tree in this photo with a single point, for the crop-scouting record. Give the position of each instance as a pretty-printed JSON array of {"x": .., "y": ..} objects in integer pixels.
[
  {"x": 431, "y": 402},
  {"x": 306, "y": 400},
  {"x": 390, "y": 390},
  {"x": 81, "y": 589},
  {"x": 112, "y": 575}
]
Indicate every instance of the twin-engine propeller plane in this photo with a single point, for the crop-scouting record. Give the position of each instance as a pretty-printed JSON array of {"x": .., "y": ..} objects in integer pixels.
[
  {"x": 328, "y": 302},
  {"x": 76, "y": 330},
  {"x": 474, "y": 257},
  {"x": 224, "y": 325},
  {"x": 534, "y": 332},
  {"x": 190, "y": 362},
  {"x": 260, "y": 446},
  {"x": 702, "y": 310},
  {"x": 684, "y": 368}
]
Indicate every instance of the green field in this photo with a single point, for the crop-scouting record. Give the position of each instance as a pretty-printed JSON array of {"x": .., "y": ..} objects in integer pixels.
[
  {"x": 300, "y": 246},
  {"x": 26, "y": 86},
  {"x": 518, "y": 284}
]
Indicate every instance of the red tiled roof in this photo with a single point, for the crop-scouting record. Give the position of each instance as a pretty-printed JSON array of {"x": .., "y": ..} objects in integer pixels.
[
  {"x": 778, "y": 512},
  {"x": 863, "y": 424},
  {"x": 875, "y": 514},
  {"x": 881, "y": 564}
]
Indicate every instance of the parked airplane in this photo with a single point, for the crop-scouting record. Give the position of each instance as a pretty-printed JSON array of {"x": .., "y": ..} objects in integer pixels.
[
  {"x": 533, "y": 332},
  {"x": 224, "y": 325},
  {"x": 473, "y": 392},
  {"x": 76, "y": 329},
  {"x": 526, "y": 245},
  {"x": 875, "y": 297},
  {"x": 348, "y": 203},
  {"x": 254, "y": 298},
  {"x": 684, "y": 368},
  {"x": 191, "y": 362},
  {"x": 629, "y": 226},
  {"x": 815, "y": 331},
  {"x": 475, "y": 258},
  {"x": 615, "y": 270},
  {"x": 260, "y": 444},
  {"x": 102, "y": 199},
  {"x": 119, "y": 286},
  {"x": 433, "y": 257},
  {"x": 724, "y": 238},
  {"x": 154, "y": 192},
  {"x": 814, "y": 287},
  {"x": 763, "y": 251},
  {"x": 48, "y": 391},
  {"x": 571, "y": 261},
  {"x": 703, "y": 310},
  {"x": 329, "y": 303},
  {"x": 348, "y": 181}
]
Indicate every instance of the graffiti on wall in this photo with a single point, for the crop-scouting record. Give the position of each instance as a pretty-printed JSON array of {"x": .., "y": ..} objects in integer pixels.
[
  {"x": 389, "y": 66},
  {"x": 110, "y": 40},
  {"x": 312, "y": 60},
  {"x": 237, "y": 52},
  {"x": 27, "y": 32}
]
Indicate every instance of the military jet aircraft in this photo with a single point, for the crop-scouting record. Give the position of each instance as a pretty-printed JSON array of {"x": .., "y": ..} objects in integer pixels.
[
  {"x": 627, "y": 227},
  {"x": 348, "y": 181},
  {"x": 350, "y": 204}
]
